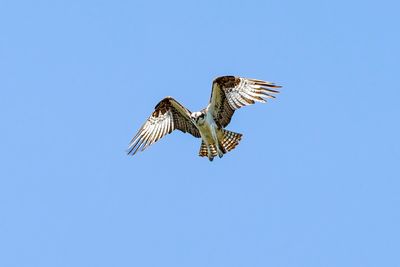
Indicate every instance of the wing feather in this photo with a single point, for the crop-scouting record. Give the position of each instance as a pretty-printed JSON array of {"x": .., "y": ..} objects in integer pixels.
[
  {"x": 230, "y": 93},
  {"x": 168, "y": 115}
]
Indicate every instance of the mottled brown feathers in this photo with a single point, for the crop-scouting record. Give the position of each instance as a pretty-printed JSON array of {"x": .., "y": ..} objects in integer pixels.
[
  {"x": 231, "y": 93},
  {"x": 227, "y": 81},
  {"x": 162, "y": 107},
  {"x": 169, "y": 115}
]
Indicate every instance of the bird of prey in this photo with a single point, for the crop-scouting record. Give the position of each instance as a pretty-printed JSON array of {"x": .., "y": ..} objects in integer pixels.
[{"x": 229, "y": 93}]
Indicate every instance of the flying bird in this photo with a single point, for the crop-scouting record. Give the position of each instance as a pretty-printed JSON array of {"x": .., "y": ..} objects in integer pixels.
[{"x": 229, "y": 93}]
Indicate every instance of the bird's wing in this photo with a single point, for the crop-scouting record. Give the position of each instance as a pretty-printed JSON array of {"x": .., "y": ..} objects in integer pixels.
[
  {"x": 168, "y": 115},
  {"x": 230, "y": 93}
]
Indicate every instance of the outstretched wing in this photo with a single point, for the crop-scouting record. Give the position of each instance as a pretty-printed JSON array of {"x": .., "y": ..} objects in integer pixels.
[
  {"x": 230, "y": 93},
  {"x": 168, "y": 115}
]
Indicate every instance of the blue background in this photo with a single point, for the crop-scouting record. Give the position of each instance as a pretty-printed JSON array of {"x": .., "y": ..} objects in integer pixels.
[{"x": 314, "y": 182}]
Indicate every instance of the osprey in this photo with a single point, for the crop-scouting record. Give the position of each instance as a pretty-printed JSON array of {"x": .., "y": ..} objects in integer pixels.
[{"x": 228, "y": 94}]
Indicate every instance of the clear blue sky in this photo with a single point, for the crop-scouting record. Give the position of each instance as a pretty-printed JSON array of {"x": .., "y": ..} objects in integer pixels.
[{"x": 314, "y": 182}]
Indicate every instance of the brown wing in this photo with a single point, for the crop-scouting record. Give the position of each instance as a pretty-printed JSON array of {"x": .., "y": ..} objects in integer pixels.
[
  {"x": 167, "y": 116},
  {"x": 230, "y": 93}
]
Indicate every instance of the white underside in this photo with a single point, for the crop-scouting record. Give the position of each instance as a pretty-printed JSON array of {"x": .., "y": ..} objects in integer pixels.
[{"x": 208, "y": 131}]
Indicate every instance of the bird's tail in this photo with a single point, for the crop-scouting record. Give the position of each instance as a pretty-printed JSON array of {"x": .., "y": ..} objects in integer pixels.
[
  {"x": 229, "y": 142},
  {"x": 209, "y": 151}
]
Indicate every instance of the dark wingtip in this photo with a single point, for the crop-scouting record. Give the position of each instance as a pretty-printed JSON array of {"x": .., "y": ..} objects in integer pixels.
[{"x": 129, "y": 152}]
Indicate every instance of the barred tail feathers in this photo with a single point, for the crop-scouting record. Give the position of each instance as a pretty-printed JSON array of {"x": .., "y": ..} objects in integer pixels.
[
  {"x": 203, "y": 150},
  {"x": 229, "y": 142},
  {"x": 210, "y": 151}
]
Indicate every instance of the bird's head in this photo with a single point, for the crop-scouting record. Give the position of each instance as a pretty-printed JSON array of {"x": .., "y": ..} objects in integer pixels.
[{"x": 197, "y": 117}]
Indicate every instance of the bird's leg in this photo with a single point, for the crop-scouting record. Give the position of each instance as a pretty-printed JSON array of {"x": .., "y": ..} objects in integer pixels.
[
  {"x": 220, "y": 153},
  {"x": 210, "y": 157}
]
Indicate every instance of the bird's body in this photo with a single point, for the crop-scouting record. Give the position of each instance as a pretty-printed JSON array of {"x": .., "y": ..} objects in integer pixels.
[
  {"x": 209, "y": 131},
  {"x": 207, "y": 128},
  {"x": 228, "y": 94}
]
